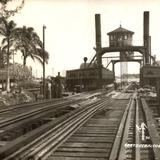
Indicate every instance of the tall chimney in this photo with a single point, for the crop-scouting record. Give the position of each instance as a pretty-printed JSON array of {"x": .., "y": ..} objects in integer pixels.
[
  {"x": 98, "y": 30},
  {"x": 98, "y": 39},
  {"x": 146, "y": 37},
  {"x": 98, "y": 48}
]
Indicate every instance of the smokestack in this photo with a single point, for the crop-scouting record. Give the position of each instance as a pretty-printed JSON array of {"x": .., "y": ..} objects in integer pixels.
[
  {"x": 146, "y": 23},
  {"x": 98, "y": 48},
  {"x": 146, "y": 37},
  {"x": 98, "y": 39},
  {"x": 98, "y": 30}
]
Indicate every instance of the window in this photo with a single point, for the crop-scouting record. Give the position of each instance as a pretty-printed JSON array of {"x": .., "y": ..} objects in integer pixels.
[
  {"x": 119, "y": 38},
  {"x": 125, "y": 37}
]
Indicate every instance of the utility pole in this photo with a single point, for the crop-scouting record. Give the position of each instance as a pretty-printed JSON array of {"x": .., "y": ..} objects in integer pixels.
[{"x": 44, "y": 90}]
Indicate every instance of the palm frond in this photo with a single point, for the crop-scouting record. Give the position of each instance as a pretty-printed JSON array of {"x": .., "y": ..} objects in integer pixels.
[
  {"x": 39, "y": 59},
  {"x": 2, "y": 31},
  {"x": 4, "y": 40},
  {"x": 3, "y": 21}
]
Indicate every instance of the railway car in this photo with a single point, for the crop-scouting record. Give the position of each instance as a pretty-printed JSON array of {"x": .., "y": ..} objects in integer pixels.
[{"x": 86, "y": 78}]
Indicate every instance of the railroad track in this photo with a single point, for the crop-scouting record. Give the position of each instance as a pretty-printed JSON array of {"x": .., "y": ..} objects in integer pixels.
[
  {"x": 106, "y": 119},
  {"x": 113, "y": 129},
  {"x": 94, "y": 140},
  {"x": 20, "y": 119},
  {"x": 104, "y": 130},
  {"x": 56, "y": 131},
  {"x": 28, "y": 106},
  {"x": 137, "y": 139},
  {"x": 20, "y": 124},
  {"x": 20, "y": 108}
]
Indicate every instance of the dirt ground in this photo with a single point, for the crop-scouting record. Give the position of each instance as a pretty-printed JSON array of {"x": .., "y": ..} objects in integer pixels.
[{"x": 16, "y": 97}]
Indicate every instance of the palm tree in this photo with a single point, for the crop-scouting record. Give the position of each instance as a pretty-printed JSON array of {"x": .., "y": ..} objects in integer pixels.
[
  {"x": 2, "y": 57},
  {"x": 30, "y": 45},
  {"x": 39, "y": 55},
  {"x": 7, "y": 29},
  {"x": 2, "y": 64},
  {"x": 6, "y": 12}
]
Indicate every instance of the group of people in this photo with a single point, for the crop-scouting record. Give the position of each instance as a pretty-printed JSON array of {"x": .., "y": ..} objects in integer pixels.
[{"x": 53, "y": 88}]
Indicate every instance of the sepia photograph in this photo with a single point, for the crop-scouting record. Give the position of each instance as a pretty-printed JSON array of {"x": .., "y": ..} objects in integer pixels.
[{"x": 79, "y": 80}]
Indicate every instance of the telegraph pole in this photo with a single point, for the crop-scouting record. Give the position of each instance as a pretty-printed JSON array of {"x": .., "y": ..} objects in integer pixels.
[{"x": 44, "y": 90}]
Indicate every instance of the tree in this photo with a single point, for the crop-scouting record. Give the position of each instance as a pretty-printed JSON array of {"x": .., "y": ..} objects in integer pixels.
[
  {"x": 5, "y": 12},
  {"x": 2, "y": 57},
  {"x": 30, "y": 45},
  {"x": 19, "y": 72},
  {"x": 39, "y": 55},
  {"x": 7, "y": 29}
]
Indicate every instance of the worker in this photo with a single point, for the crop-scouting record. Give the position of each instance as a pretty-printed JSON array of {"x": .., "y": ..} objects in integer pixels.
[
  {"x": 58, "y": 86},
  {"x": 115, "y": 85}
]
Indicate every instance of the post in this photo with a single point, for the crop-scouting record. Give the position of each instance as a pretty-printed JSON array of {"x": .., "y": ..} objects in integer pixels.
[
  {"x": 44, "y": 89},
  {"x": 158, "y": 96},
  {"x": 113, "y": 70}
]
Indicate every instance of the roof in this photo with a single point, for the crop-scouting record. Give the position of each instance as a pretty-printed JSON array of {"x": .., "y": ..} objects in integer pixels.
[
  {"x": 85, "y": 65},
  {"x": 120, "y": 30}
]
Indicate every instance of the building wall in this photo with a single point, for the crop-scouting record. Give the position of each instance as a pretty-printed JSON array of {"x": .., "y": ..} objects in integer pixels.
[
  {"x": 88, "y": 78},
  {"x": 120, "y": 40}
]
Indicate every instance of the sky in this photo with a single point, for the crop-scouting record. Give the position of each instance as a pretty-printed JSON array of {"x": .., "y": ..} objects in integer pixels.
[{"x": 70, "y": 28}]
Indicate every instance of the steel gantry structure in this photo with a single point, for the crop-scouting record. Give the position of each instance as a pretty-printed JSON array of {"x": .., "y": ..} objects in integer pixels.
[{"x": 145, "y": 49}]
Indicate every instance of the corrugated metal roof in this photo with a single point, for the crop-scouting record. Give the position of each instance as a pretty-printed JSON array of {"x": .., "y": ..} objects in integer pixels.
[{"x": 120, "y": 30}]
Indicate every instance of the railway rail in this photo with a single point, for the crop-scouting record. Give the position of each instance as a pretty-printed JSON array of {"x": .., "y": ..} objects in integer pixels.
[
  {"x": 117, "y": 128},
  {"x": 94, "y": 140},
  {"x": 56, "y": 131},
  {"x": 23, "y": 121},
  {"x": 125, "y": 139},
  {"x": 19, "y": 107},
  {"x": 136, "y": 139},
  {"x": 42, "y": 145},
  {"x": 20, "y": 119}
]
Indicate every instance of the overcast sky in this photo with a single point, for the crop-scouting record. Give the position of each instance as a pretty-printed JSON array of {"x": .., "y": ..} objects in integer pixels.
[{"x": 70, "y": 27}]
